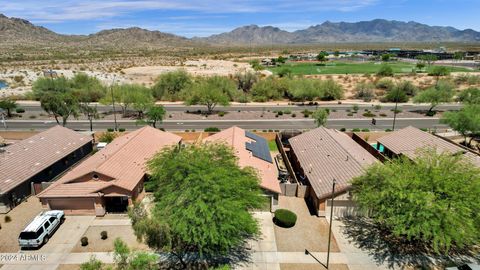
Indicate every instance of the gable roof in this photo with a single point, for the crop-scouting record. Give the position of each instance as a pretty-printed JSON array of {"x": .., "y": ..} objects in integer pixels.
[
  {"x": 326, "y": 154},
  {"x": 123, "y": 162},
  {"x": 236, "y": 138},
  {"x": 23, "y": 160},
  {"x": 409, "y": 140}
]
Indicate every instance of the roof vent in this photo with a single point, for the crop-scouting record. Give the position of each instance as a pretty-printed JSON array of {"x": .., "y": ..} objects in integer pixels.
[{"x": 95, "y": 177}]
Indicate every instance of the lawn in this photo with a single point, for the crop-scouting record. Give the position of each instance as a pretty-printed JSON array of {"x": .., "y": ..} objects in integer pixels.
[
  {"x": 272, "y": 145},
  {"x": 351, "y": 68}
]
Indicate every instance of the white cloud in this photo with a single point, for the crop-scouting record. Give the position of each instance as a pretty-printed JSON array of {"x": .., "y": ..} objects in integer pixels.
[{"x": 68, "y": 10}]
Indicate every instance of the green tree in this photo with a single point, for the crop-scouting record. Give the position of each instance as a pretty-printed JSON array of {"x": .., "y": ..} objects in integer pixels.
[
  {"x": 458, "y": 55},
  {"x": 331, "y": 90},
  {"x": 90, "y": 112},
  {"x": 121, "y": 254},
  {"x": 155, "y": 114},
  {"x": 142, "y": 99},
  {"x": 8, "y": 105},
  {"x": 470, "y": 96},
  {"x": 466, "y": 122},
  {"x": 439, "y": 71},
  {"x": 45, "y": 85},
  {"x": 202, "y": 202},
  {"x": 385, "y": 71},
  {"x": 124, "y": 96},
  {"x": 210, "y": 92},
  {"x": 433, "y": 200},
  {"x": 87, "y": 88},
  {"x": 427, "y": 58},
  {"x": 168, "y": 86},
  {"x": 281, "y": 60},
  {"x": 420, "y": 65},
  {"x": 127, "y": 259},
  {"x": 386, "y": 57},
  {"x": 396, "y": 94},
  {"x": 320, "y": 116},
  {"x": 246, "y": 80},
  {"x": 256, "y": 65},
  {"x": 270, "y": 88},
  {"x": 322, "y": 57},
  {"x": 61, "y": 105},
  {"x": 305, "y": 89},
  {"x": 284, "y": 72},
  {"x": 365, "y": 91},
  {"x": 442, "y": 92}
]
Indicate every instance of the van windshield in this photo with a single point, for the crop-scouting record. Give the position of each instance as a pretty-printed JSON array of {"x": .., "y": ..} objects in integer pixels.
[{"x": 28, "y": 235}]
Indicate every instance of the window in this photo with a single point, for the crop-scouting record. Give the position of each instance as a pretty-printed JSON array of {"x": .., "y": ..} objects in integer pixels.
[
  {"x": 40, "y": 231},
  {"x": 47, "y": 224},
  {"x": 52, "y": 219}
]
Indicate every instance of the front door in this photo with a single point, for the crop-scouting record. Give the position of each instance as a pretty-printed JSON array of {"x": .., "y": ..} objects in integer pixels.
[{"x": 116, "y": 204}]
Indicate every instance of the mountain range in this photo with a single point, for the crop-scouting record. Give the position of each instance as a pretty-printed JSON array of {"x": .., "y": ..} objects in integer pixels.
[{"x": 14, "y": 31}]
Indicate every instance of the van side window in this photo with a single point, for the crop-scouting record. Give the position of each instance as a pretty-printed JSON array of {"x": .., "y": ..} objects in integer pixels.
[
  {"x": 47, "y": 224},
  {"x": 40, "y": 231},
  {"x": 52, "y": 219}
]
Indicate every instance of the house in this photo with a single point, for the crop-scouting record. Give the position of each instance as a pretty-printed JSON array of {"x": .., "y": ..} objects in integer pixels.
[
  {"x": 112, "y": 178},
  {"x": 322, "y": 155},
  {"x": 410, "y": 140},
  {"x": 40, "y": 158},
  {"x": 252, "y": 151}
]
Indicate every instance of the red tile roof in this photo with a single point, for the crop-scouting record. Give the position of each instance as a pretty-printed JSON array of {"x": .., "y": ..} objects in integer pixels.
[
  {"x": 410, "y": 140},
  {"x": 326, "y": 154},
  {"x": 122, "y": 163},
  {"x": 235, "y": 137},
  {"x": 23, "y": 160}
]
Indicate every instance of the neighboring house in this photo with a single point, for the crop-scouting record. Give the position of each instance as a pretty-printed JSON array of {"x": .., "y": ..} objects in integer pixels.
[
  {"x": 321, "y": 155},
  {"x": 252, "y": 151},
  {"x": 37, "y": 159},
  {"x": 111, "y": 179},
  {"x": 410, "y": 140}
]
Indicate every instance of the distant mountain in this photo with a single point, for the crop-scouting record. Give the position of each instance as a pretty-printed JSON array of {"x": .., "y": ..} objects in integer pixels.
[
  {"x": 328, "y": 32},
  {"x": 14, "y": 31},
  {"x": 20, "y": 32}
]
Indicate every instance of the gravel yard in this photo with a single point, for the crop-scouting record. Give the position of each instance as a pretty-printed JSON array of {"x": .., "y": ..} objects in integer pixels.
[
  {"x": 96, "y": 244},
  {"x": 20, "y": 217}
]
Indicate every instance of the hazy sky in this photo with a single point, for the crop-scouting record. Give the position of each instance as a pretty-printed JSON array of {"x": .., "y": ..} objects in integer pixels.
[{"x": 202, "y": 18}]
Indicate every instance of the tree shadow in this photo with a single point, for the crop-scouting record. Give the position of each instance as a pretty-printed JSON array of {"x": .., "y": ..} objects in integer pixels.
[{"x": 396, "y": 252}]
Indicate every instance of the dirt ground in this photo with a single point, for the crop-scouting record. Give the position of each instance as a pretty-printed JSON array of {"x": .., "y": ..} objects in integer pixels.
[
  {"x": 76, "y": 266},
  {"x": 309, "y": 266},
  {"x": 96, "y": 244},
  {"x": 21, "y": 216},
  {"x": 310, "y": 232}
]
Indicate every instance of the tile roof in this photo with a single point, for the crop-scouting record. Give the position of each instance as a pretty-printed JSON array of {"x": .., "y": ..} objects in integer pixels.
[
  {"x": 327, "y": 154},
  {"x": 235, "y": 137},
  {"x": 122, "y": 163},
  {"x": 23, "y": 160},
  {"x": 409, "y": 140}
]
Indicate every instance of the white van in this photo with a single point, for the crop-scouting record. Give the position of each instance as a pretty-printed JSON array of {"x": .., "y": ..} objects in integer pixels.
[{"x": 41, "y": 229}]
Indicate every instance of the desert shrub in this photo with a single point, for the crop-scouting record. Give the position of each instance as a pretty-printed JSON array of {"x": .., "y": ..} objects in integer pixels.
[
  {"x": 388, "y": 130},
  {"x": 343, "y": 129},
  {"x": 366, "y": 130},
  {"x": 84, "y": 241},
  {"x": 407, "y": 87},
  {"x": 287, "y": 111},
  {"x": 439, "y": 71},
  {"x": 355, "y": 108},
  {"x": 18, "y": 78},
  {"x": 396, "y": 94},
  {"x": 383, "y": 115},
  {"x": 107, "y": 137},
  {"x": 396, "y": 111},
  {"x": 350, "y": 114},
  {"x": 294, "y": 115},
  {"x": 32, "y": 117},
  {"x": 384, "y": 83},
  {"x": 19, "y": 110},
  {"x": 356, "y": 130},
  {"x": 280, "y": 113},
  {"x": 110, "y": 129},
  {"x": 121, "y": 129},
  {"x": 7, "y": 219},
  {"x": 365, "y": 91},
  {"x": 269, "y": 89},
  {"x": 221, "y": 114},
  {"x": 285, "y": 218},
  {"x": 104, "y": 235},
  {"x": 369, "y": 114},
  {"x": 385, "y": 71},
  {"x": 211, "y": 129},
  {"x": 306, "y": 113},
  {"x": 378, "y": 107}
]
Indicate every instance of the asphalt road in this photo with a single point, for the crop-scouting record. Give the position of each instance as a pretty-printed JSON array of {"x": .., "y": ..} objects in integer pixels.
[
  {"x": 181, "y": 108},
  {"x": 199, "y": 125}
]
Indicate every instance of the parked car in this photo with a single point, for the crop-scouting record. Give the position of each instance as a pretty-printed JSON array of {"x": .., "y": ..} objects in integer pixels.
[{"x": 42, "y": 227}]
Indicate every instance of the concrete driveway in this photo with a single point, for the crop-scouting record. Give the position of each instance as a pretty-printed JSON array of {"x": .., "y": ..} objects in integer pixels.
[{"x": 56, "y": 250}]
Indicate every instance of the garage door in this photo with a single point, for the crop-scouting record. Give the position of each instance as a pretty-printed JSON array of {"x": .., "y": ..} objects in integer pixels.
[{"x": 73, "y": 206}]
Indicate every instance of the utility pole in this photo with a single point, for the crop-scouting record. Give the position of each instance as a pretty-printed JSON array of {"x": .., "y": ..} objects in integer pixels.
[
  {"x": 113, "y": 104},
  {"x": 331, "y": 221},
  {"x": 395, "y": 110}
]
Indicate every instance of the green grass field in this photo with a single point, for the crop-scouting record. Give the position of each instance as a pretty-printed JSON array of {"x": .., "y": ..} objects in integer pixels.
[{"x": 351, "y": 68}]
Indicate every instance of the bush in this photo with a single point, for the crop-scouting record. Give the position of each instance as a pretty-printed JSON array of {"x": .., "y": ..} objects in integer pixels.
[
  {"x": 110, "y": 129},
  {"x": 356, "y": 130},
  {"x": 431, "y": 113},
  {"x": 121, "y": 129},
  {"x": 285, "y": 218},
  {"x": 104, "y": 235},
  {"x": 107, "y": 137},
  {"x": 439, "y": 71},
  {"x": 383, "y": 115},
  {"x": 221, "y": 114},
  {"x": 350, "y": 114},
  {"x": 7, "y": 219},
  {"x": 294, "y": 115},
  {"x": 306, "y": 113},
  {"x": 211, "y": 129},
  {"x": 280, "y": 113},
  {"x": 388, "y": 130},
  {"x": 366, "y": 130},
  {"x": 397, "y": 111},
  {"x": 397, "y": 94},
  {"x": 355, "y": 108},
  {"x": 384, "y": 83},
  {"x": 378, "y": 107},
  {"x": 365, "y": 91},
  {"x": 84, "y": 241},
  {"x": 385, "y": 71},
  {"x": 32, "y": 117},
  {"x": 369, "y": 114},
  {"x": 20, "y": 110},
  {"x": 287, "y": 112},
  {"x": 343, "y": 129}
]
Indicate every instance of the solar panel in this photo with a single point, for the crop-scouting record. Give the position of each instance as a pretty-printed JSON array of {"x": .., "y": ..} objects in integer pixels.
[{"x": 258, "y": 147}]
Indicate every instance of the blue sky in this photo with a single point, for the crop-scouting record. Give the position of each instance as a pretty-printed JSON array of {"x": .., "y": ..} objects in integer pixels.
[{"x": 202, "y": 18}]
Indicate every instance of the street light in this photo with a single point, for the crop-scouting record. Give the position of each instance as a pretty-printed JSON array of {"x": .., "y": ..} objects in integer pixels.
[{"x": 331, "y": 221}]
